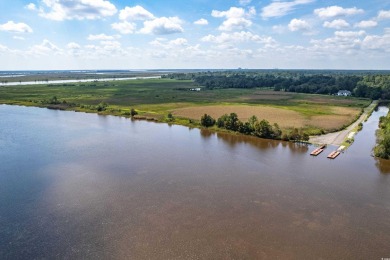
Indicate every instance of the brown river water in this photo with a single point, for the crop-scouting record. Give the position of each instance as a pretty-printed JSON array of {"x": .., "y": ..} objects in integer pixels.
[{"x": 83, "y": 186}]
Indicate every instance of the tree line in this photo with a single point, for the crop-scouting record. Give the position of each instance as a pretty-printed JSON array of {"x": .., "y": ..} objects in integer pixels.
[
  {"x": 366, "y": 85},
  {"x": 253, "y": 126},
  {"x": 382, "y": 149}
]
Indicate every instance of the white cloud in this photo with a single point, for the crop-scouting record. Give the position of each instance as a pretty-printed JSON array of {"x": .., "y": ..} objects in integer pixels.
[
  {"x": 377, "y": 42},
  {"x": 336, "y": 24},
  {"x": 3, "y": 48},
  {"x": 60, "y": 10},
  {"x": 237, "y": 37},
  {"x": 366, "y": 24},
  {"x": 233, "y": 12},
  {"x": 174, "y": 44},
  {"x": 124, "y": 27},
  {"x": 333, "y": 11},
  {"x": 46, "y": 48},
  {"x": 135, "y": 13},
  {"x": 163, "y": 25},
  {"x": 102, "y": 37},
  {"x": 349, "y": 34},
  {"x": 280, "y": 8},
  {"x": 201, "y": 21},
  {"x": 19, "y": 38},
  {"x": 31, "y": 7},
  {"x": 280, "y": 29},
  {"x": 298, "y": 25},
  {"x": 73, "y": 45},
  {"x": 13, "y": 27},
  {"x": 382, "y": 15},
  {"x": 235, "y": 24},
  {"x": 245, "y": 2},
  {"x": 236, "y": 18}
]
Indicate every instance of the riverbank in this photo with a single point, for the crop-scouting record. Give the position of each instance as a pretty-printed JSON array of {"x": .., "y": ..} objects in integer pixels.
[
  {"x": 340, "y": 137},
  {"x": 172, "y": 101}
]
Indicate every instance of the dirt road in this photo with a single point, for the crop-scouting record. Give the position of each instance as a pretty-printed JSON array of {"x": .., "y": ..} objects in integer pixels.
[{"x": 337, "y": 138}]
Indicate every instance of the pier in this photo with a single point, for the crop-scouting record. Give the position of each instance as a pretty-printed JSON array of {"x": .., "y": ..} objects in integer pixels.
[
  {"x": 333, "y": 154},
  {"x": 318, "y": 150}
]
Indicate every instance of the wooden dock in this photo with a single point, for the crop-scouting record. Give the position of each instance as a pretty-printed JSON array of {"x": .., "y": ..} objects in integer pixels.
[
  {"x": 333, "y": 154},
  {"x": 318, "y": 150}
]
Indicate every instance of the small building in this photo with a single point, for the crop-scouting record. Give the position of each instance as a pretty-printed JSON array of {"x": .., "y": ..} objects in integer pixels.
[
  {"x": 345, "y": 93},
  {"x": 195, "y": 89}
]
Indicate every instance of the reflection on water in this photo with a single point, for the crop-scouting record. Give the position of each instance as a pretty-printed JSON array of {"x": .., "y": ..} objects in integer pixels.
[
  {"x": 383, "y": 166},
  {"x": 76, "y": 185}
]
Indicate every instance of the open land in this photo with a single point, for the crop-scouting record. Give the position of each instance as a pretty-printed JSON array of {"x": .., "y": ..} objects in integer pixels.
[
  {"x": 156, "y": 98},
  {"x": 339, "y": 137}
]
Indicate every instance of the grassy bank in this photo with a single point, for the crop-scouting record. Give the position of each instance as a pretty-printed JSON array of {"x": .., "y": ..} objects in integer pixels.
[{"x": 155, "y": 99}]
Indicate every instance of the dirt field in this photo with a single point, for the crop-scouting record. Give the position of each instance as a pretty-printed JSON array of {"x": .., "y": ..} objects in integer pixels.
[
  {"x": 284, "y": 117},
  {"x": 338, "y": 138}
]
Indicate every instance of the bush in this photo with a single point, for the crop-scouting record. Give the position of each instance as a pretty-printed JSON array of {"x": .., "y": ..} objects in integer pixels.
[
  {"x": 207, "y": 121},
  {"x": 133, "y": 112}
]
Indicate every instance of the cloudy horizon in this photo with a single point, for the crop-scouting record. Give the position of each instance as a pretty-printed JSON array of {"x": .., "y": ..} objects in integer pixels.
[{"x": 194, "y": 34}]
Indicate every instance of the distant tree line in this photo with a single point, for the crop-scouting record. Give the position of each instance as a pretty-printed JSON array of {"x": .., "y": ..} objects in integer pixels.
[
  {"x": 374, "y": 86},
  {"x": 253, "y": 126}
]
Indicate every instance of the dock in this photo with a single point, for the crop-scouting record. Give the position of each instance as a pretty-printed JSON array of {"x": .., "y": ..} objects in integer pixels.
[
  {"x": 318, "y": 150},
  {"x": 333, "y": 154}
]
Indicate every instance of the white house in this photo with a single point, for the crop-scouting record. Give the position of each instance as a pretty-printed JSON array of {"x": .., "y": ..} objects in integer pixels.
[{"x": 344, "y": 93}]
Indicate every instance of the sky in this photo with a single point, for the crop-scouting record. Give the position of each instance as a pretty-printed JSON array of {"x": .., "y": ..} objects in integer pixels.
[{"x": 194, "y": 34}]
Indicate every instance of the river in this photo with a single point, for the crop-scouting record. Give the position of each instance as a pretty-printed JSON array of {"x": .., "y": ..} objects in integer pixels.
[
  {"x": 83, "y": 186},
  {"x": 65, "y": 81}
]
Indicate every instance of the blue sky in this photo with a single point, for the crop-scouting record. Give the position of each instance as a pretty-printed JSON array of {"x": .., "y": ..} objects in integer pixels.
[{"x": 150, "y": 34}]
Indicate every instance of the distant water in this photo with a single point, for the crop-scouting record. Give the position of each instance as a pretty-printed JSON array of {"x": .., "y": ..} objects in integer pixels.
[
  {"x": 83, "y": 186},
  {"x": 38, "y": 82}
]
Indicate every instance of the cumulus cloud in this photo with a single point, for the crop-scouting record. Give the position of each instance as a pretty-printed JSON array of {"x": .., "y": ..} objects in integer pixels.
[
  {"x": 237, "y": 37},
  {"x": 31, "y": 7},
  {"x": 366, "y": 24},
  {"x": 235, "y": 24},
  {"x": 163, "y": 25},
  {"x": 201, "y": 21},
  {"x": 236, "y": 18},
  {"x": 13, "y": 27},
  {"x": 233, "y": 12},
  {"x": 281, "y": 8},
  {"x": 377, "y": 42},
  {"x": 336, "y": 24},
  {"x": 135, "y": 13},
  {"x": 46, "y": 48},
  {"x": 173, "y": 44},
  {"x": 124, "y": 27},
  {"x": 349, "y": 34},
  {"x": 382, "y": 15},
  {"x": 298, "y": 25},
  {"x": 102, "y": 37},
  {"x": 333, "y": 11},
  {"x": 60, "y": 10}
]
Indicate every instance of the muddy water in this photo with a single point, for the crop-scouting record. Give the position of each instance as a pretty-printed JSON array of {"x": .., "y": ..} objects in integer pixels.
[{"x": 82, "y": 186}]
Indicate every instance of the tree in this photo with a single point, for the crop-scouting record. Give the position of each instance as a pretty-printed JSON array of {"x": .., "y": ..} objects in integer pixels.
[
  {"x": 102, "y": 106},
  {"x": 263, "y": 129},
  {"x": 170, "y": 117},
  {"x": 207, "y": 121},
  {"x": 232, "y": 122},
  {"x": 133, "y": 112}
]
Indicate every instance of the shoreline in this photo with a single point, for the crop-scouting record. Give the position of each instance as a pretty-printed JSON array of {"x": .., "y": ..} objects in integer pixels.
[
  {"x": 335, "y": 138},
  {"x": 340, "y": 137}
]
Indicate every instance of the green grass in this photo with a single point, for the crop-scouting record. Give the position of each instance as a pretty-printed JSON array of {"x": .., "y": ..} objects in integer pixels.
[{"x": 155, "y": 98}]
